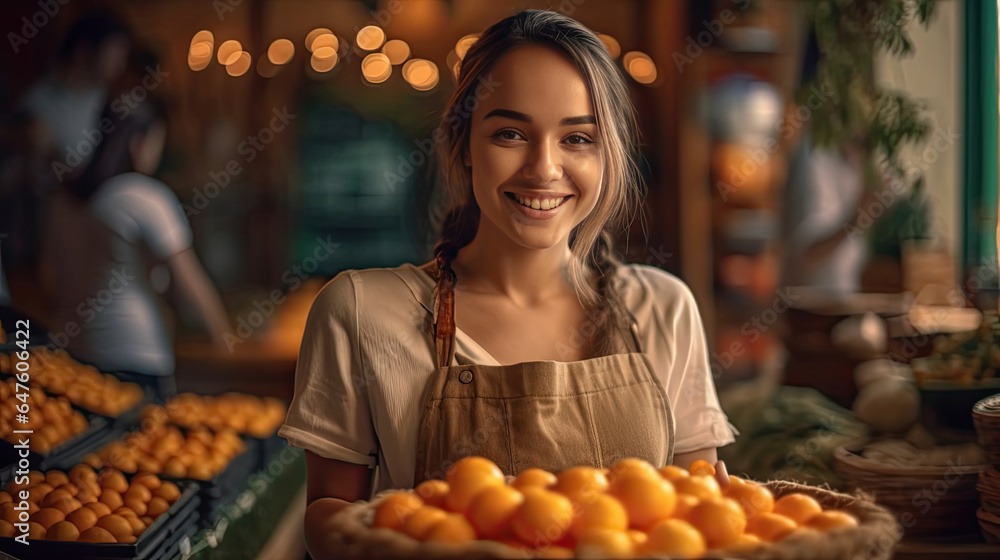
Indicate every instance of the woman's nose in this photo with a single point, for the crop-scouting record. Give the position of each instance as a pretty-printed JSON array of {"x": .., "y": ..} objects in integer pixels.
[{"x": 545, "y": 164}]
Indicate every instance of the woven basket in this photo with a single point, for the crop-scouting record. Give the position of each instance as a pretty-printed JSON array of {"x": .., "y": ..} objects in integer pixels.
[
  {"x": 874, "y": 538},
  {"x": 932, "y": 503}
]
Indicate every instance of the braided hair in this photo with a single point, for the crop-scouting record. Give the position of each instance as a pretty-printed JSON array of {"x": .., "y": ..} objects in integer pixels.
[{"x": 592, "y": 241}]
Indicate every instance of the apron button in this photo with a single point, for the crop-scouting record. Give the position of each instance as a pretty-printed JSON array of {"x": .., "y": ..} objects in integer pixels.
[{"x": 465, "y": 376}]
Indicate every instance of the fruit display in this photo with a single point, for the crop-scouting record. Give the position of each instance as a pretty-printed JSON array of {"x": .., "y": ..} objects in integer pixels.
[
  {"x": 246, "y": 414},
  {"x": 161, "y": 448},
  {"x": 52, "y": 419},
  {"x": 83, "y": 385},
  {"x": 968, "y": 358},
  {"x": 632, "y": 509},
  {"x": 84, "y": 505}
]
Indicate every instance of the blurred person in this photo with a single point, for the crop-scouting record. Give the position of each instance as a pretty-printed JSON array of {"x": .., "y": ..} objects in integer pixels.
[
  {"x": 106, "y": 230},
  {"x": 68, "y": 100}
]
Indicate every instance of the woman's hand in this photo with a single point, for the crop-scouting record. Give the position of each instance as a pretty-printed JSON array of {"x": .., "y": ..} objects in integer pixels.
[{"x": 721, "y": 474}]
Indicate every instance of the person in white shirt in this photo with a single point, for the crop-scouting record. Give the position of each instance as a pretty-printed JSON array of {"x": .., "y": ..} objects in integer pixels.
[{"x": 105, "y": 230}]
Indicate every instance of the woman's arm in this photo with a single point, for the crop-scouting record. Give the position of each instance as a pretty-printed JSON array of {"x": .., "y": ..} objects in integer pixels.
[
  {"x": 196, "y": 287},
  {"x": 331, "y": 485}
]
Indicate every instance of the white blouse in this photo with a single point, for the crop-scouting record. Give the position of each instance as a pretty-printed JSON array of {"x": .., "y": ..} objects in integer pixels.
[{"x": 368, "y": 354}]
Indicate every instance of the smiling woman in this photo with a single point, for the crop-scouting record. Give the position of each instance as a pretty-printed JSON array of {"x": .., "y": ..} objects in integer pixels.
[{"x": 525, "y": 340}]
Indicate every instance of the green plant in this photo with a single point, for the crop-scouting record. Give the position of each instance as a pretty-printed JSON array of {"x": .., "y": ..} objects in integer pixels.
[{"x": 857, "y": 111}]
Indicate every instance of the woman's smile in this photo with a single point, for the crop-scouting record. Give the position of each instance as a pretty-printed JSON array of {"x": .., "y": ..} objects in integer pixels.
[{"x": 542, "y": 206}]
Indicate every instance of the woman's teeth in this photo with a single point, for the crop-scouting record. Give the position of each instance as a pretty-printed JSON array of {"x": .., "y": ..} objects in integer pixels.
[{"x": 540, "y": 203}]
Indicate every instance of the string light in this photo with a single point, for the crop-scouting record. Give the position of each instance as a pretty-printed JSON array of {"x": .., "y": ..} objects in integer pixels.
[
  {"x": 311, "y": 36},
  {"x": 464, "y": 43},
  {"x": 229, "y": 52},
  {"x": 610, "y": 43},
  {"x": 397, "y": 51},
  {"x": 376, "y": 68},
  {"x": 239, "y": 65},
  {"x": 370, "y": 37},
  {"x": 640, "y": 67},
  {"x": 280, "y": 51}
]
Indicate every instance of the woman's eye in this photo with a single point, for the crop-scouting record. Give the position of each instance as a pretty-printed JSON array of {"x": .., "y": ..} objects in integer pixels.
[
  {"x": 579, "y": 139},
  {"x": 506, "y": 135}
]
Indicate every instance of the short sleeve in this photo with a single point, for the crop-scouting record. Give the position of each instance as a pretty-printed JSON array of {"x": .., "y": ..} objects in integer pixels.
[
  {"x": 329, "y": 413},
  {"x": 699, "y": 421},
  {"x": 144, "y": 210}
]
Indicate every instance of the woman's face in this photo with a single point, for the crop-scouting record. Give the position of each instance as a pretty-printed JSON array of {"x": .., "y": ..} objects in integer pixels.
[{"x": 534, "y": 149}]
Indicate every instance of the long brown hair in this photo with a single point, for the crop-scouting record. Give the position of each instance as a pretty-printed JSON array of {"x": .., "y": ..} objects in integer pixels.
[{"x": 591, "y": 242}]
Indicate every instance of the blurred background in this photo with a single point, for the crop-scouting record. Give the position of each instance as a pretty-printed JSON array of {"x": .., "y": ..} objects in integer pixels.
[{"x": 821, "y": 173}]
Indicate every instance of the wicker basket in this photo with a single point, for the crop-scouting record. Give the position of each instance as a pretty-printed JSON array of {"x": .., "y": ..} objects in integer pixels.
[
  {"x": 931, "y": 503},
  {"x": 875, "y": 537}
]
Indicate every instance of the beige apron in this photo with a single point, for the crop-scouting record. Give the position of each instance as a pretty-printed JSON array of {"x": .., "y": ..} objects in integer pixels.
[{"x": 546, "y": 414}]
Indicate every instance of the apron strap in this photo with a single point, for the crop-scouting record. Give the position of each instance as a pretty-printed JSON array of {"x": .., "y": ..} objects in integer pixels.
[{"x": 444, "y": 318}]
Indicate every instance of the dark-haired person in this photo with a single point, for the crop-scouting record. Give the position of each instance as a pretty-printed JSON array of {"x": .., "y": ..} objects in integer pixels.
[
  {"x": 525, "y": 340},
  {"x": 68, "y": 100},
  {"x": 105, "y": 231}
]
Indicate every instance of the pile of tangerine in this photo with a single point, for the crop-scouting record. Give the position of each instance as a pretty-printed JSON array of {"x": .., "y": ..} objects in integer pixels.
[
  {"x": 87, "y": 506},
  {"x": 630, "y": 509}
]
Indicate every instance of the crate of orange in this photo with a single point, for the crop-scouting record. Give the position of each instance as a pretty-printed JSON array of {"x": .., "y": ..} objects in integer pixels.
[
  {"x": 629, "y": 510},
  {"x": 84, "y": 513}
]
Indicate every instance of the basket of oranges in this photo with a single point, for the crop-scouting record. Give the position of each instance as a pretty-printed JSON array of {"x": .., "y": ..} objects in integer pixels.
[{"x": 629, "y": 510}]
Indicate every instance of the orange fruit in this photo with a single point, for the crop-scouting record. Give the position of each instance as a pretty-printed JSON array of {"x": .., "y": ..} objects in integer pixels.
[
  {"x": 137, "y": 506},
  {"x": 84, "y": 518},
  {"x": 832, "y": 519},
  {"x": 466, "y": 478},
  {"x": 492, "y": 509},
  {"x": 602, "y": 512},
  {"x": 97, "y": 535},
  {"x": 395, "y": 509},
  {"x": 111, "y": 498},
  {"x": 6, "y": 529},
  {"x": 534, "y": 477},
  {"x": 5, "y": 498},
  {"x": 100, "y": 508},
  {"x": 63, "y": 531},
  {"x": 35, "y": 477},
  {"x": 685, "y": 503},
  {"x": 700, "y": 486},
  {"x": 746, "y": 542},
  {"x": 770, "y": 527},
  {"x": 432, "y": 492},
  {"x": 113, "y": 479},
  {"x": 168, "y": 491},
  {"x": 674, "y": 538},
  {"x": 36, "y": 531},
  {"x": 753, "y": 497},
  {"x": 420, "y": 522},
  {"x": 673, "y": 472},
  {"x": 797, "y": 507},
  {"x": 48, "y": 517},
  {"x": 137, "y": 525},
  {"x": 454, "y": 528},
  {"x": 116, "y": 525},
  {"x": 605, "y": 543},
  {"x": 54, "y": 497},
  {"x": 638, "y": 537},
  {"x": 581, "y": 484},
  {"x": 702, "y": 466},
  {"x": 544, "y": 517},
  {"x": 138, "y": 492},
  {"x": 9, "y": 514},
  {"x": 646, "y": 499},
  {"x": 156, "y": 507},
  {"x": 56, "y": 478},
  {"x": 150, "y": 481},
  {"x": 38, "y": 492},
  {"x": 66, "y": 506},
  {"x": 720, "y": 520},
  {"x": 627, "y": 467}
]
